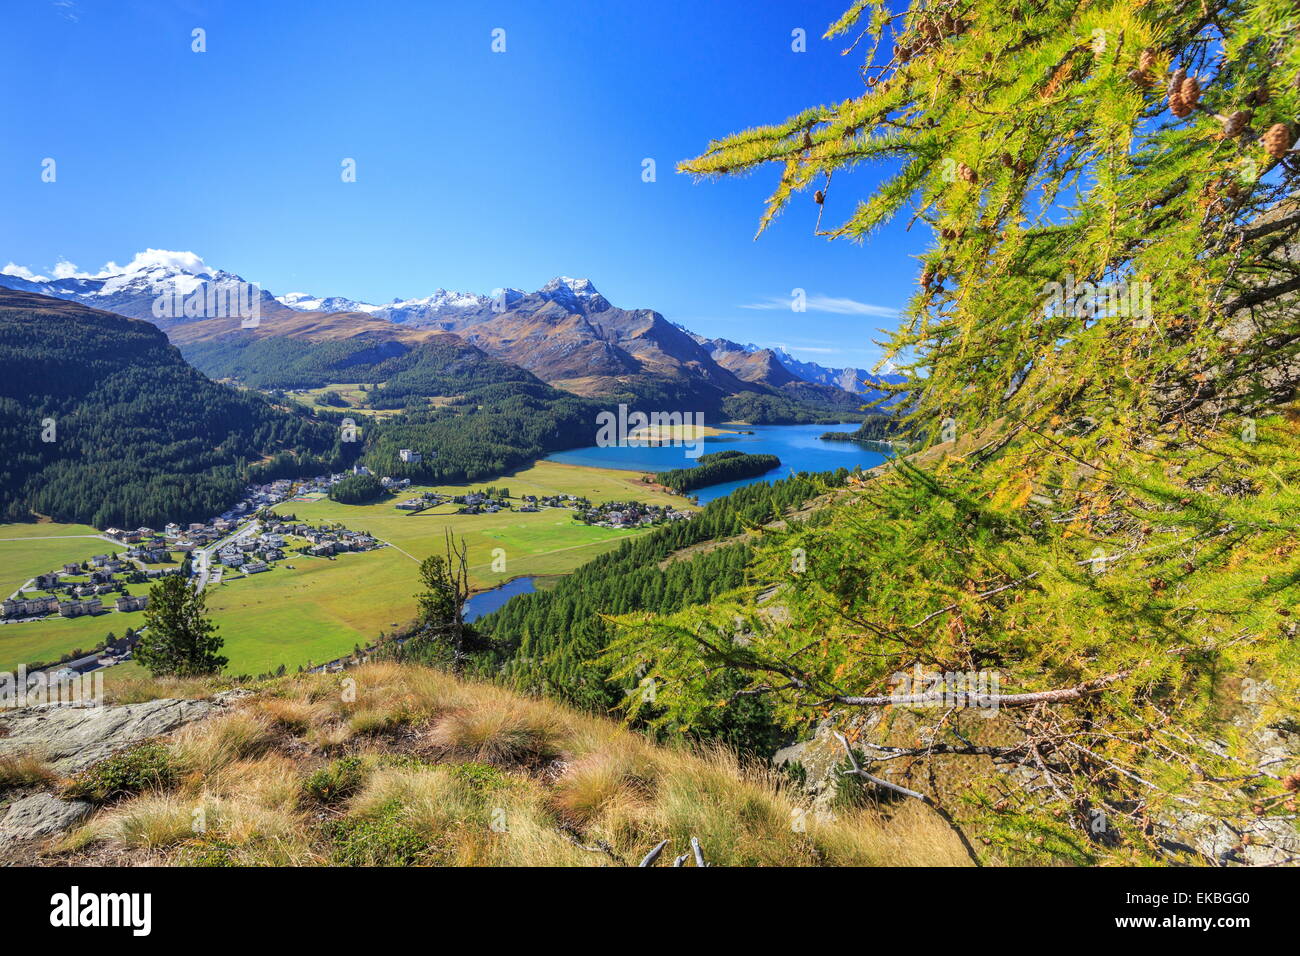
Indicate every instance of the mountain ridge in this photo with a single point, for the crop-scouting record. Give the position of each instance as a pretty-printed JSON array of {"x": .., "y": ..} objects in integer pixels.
[{"x": 566, "y": 333}]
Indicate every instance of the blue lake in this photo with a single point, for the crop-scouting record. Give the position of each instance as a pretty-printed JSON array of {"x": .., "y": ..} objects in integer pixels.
[
  {"x": 485, "y": 602},
  {"x": 799, "y": 447}
]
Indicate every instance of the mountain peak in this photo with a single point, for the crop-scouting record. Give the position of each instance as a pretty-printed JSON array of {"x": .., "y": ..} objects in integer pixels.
[
  {"x": 581, "y": 287},
  {"x": 577, "y": 295}
]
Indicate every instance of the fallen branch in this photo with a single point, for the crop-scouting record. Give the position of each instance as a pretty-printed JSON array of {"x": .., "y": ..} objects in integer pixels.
[
  {"x": 649, "y": 858},
  {"x": 986, "y": 701},
  {"x": 699, "y": 854},
  {"x": 600, "y": 846}
]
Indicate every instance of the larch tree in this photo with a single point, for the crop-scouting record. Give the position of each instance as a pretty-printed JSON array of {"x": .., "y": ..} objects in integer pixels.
[{"x": 1092, "y": 541}]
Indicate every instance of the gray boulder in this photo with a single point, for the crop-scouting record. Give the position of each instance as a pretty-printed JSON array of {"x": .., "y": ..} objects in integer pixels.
[
  {"x": 70, "y": 739},
  {"x": 40, "y": 815}
]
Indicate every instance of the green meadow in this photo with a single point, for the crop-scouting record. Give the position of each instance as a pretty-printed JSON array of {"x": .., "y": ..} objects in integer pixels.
[
  {"x": 321, "y": 607},
  {"x": 27, "y": 550}
]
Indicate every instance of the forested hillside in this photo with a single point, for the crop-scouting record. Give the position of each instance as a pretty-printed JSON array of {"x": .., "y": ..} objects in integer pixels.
[
  {"x": 443, "y": 366},
  {"x": 103, "y": 422},
  {"x": 552, "y": 640}
]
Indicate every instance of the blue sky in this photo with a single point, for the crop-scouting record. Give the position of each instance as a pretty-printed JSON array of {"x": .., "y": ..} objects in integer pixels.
[{"x": 475, "y": 169}]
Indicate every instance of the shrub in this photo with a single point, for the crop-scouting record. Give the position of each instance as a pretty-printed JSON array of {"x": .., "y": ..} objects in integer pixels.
[
  {"x": 480, "y": 777},
  {"x": 147, "y": 767},
  {"x": 382, "y": 839},
  {"x": 335, "y": 782},
  {"x": 208, "y": 853}
]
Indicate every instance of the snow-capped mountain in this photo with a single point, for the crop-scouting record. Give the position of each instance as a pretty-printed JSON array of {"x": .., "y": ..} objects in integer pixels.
[
  {"x": 857, "y": 380},
  {"x": 443, "y": 304},
  {"x": 566, "y": 332},
  {"x": 134, "y": 289},
  {"x": 755, "y": 363}
]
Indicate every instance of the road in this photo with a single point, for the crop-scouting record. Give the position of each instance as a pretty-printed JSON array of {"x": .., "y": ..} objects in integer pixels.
[{"x": 201, "y": 561}]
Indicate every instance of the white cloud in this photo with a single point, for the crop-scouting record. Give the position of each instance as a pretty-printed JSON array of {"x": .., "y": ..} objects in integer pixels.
[
  {"x": 826, "y": 303},
  {"x": 14, "y": 269},
  {"x": 151, "y": 258},
  {"x": 140, "y": 262},
  {"x": 63, "y": 269}
]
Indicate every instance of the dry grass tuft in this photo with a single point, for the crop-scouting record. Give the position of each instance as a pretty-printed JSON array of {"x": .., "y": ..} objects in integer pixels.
[
  {"x": 23, "y": 770},
  {"x": 138, "y": 689},
  {"x": 205, "y": 748},
  {"x": 292, "y": 714},
  {"x": 498, "y": 730},
  {"x": 619, "y": 779}
]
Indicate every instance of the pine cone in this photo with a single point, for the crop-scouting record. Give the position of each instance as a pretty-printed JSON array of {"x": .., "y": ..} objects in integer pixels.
[
  {"x": 1142, "y": 79},
  {"x": 1291, "y": 783},
  {"x": 1278, "y": 140},
  {"x": 1008, "y": 160},
  {"x": 1177, "y": 105},
  {"x": 1235, "y": 123},
  {"x": 1147, "y": 60},
  {"x": 967, "y": 174},
  {"x": 1190, "y": 91},
  {"x": 1175, "y": 82},
  {"x": 1259, "y": 97},
  {"x": 819, "y": 197}
]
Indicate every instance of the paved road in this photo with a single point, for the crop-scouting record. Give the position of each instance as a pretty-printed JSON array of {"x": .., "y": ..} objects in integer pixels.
[{"x": 202, "y": 560}]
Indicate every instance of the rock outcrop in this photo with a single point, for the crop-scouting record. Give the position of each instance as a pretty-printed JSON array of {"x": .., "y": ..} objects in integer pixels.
[
  {"x": 70, "y": 739},
  {"x": 39, "y": 815}
]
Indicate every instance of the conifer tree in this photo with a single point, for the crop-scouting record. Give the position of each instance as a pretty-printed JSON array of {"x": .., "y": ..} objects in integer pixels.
[
  {"x": 179, "y": 640},
  {"x": 1100, "y": 360}
]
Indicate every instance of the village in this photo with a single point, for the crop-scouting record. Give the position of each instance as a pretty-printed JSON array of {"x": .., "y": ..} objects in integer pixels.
[
  {"x": 247, "y": 538},
  {"x": 251, "y": 539},
  {"x": 608, "y": 514}
]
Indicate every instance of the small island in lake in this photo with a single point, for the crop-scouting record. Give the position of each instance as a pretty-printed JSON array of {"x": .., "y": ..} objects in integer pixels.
[
  {"x": 715, "y": 468},
  {"x": 875, "y": 429}
]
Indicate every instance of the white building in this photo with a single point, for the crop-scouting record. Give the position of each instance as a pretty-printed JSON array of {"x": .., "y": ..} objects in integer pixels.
[{"x": 409, "y": 456}]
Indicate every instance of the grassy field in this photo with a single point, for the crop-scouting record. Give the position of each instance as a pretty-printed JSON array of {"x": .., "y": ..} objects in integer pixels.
[
  {"x": 320, "y": 608},
  {"x": 30, "y": 549},
  {"x": 544, "y": 542},
  {"x": 49, "y": 639},
  {"x": 355, "y": 398}
]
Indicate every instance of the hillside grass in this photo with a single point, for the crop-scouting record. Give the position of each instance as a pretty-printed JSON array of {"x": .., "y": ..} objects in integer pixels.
[
  {"x": 402, "y": 765},
  {"x": 350, "y": 393}
]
